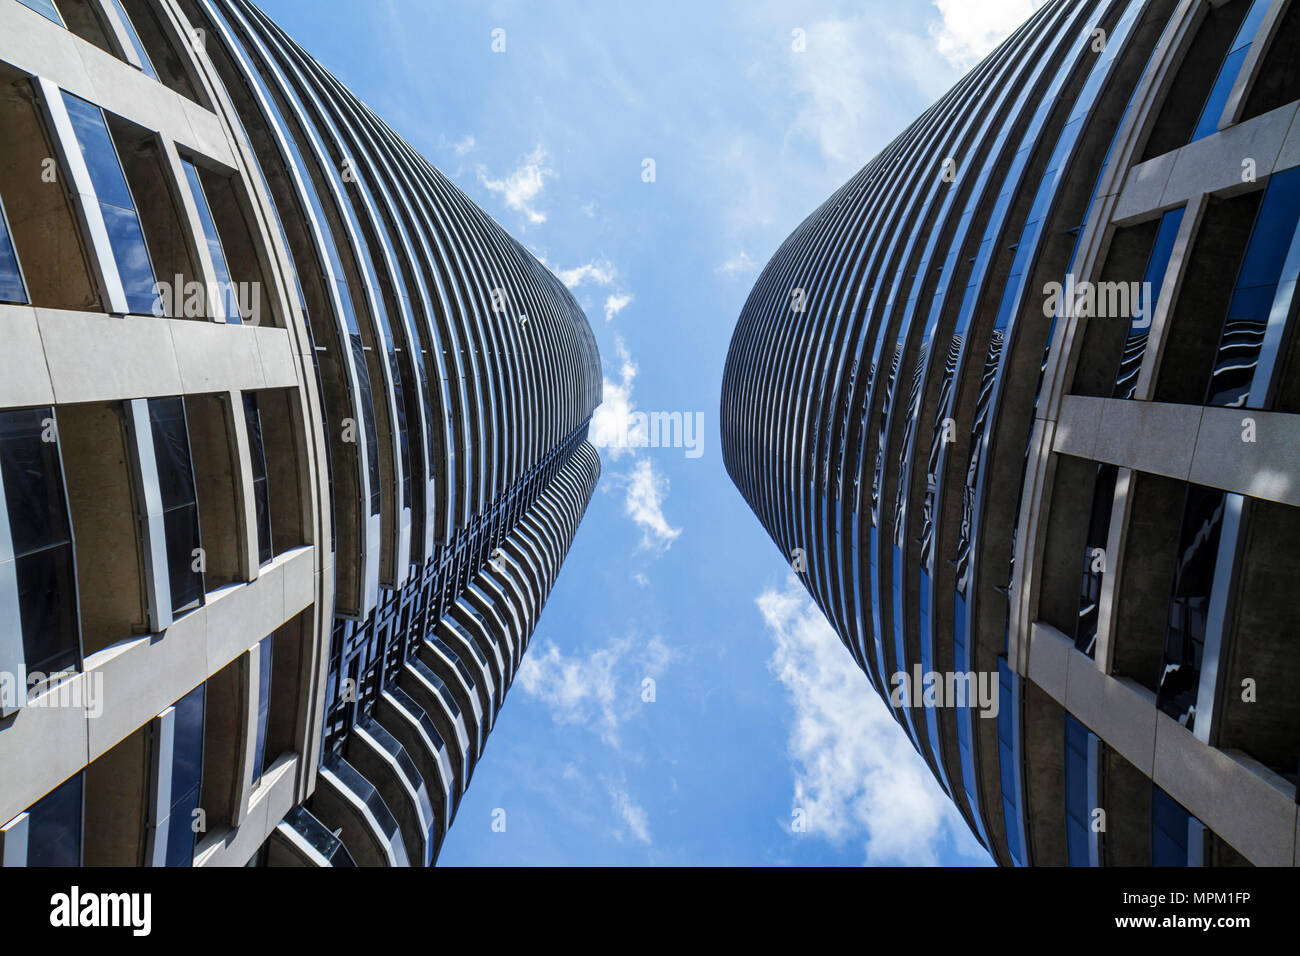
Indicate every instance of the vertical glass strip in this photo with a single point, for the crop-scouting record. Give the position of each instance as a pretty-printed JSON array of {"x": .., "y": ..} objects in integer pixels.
[
  {"x": 261, "y": 484},
  {"x": 1212, "y": 112},
  {"x": 225, "y": 306},
  {"x": 12, "y": 287},
  {"x": 146, "y": 65},
  {"x": 125, "y": 234},
  {"x": 41, "y": 533}
]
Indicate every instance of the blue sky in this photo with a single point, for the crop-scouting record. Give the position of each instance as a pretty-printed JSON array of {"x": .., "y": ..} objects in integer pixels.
[{"x": 758, "y": 711}]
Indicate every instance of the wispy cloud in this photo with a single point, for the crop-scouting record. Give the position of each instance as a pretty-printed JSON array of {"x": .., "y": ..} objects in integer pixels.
[
  {"x": 856, "y": 776},
  {"x": 969, "y": 29},
  {"x": 596, "y": 272},
  {"x": 633, "y": 817},
  {"x": 617, "y": 432},
  {"x": 522, "y": 185},
  {"x": 646, "y": 491},
  {"x": 612, "y": 427},
  {"x": 464, "y": 145},
  {"x": 601, "y": 690},
  {"x": 616, "y": 303},
  {"x": 737, "y": 264}
]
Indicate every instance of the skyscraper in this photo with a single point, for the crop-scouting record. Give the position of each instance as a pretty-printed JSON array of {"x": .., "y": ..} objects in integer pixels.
[
  {"x": 292, "y": 447},
  {"x": 1021, "y": 404}
]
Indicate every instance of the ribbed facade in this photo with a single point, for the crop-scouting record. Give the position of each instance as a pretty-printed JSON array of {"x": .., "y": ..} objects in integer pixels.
[
  {"x": 293, "y": 445},
  {"x": 1020, "y": 402}
]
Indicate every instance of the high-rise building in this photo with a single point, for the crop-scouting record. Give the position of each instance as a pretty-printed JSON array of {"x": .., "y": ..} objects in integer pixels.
[
  {"x": 292, "y": 447},
  {"x": 1021, "y": 403}
]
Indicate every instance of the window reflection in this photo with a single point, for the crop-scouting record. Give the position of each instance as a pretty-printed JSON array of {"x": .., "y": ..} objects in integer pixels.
[
  {"x": 171, "y": 446},
  {"x": 39, "y": 527},
  {"x": 125, "y": 236}
]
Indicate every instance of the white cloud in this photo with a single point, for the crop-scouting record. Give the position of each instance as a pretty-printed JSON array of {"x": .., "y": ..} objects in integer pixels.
[
  {"x": 615, "y": 431},
  {"x": 633, "y": 817},
  {"x": 856, "y": 776},
  {"x": 617, "y": 303},
  {"x": 737, "y": 264},
  {"x": 969, "y": 29},
  {"x": 646, "y": 491},
  {"x": 597, "y": 272},
  {"x": 600, "y": 691},
  {"x": 839, "y": 87},
  {"x": 641, "y": 580},
  {"x": 463, "y": 145},
  {"x": 612, "y": 427},
  {"x": 523, "y": 185}
]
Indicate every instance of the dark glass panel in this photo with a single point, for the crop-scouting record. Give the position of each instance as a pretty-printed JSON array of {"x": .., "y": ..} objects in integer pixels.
[
  {"x": 261, "y": 484},
  {"x": 146, "y": 65},
  {"x": 11, "y": 277},
  {"x": 266, "y": 661},
  {"x": 54, "y": 826},
  {"x": 181, "y": 526},
  {"x": 1189, "y": 604},
  {"x": 47, "y": 597}
]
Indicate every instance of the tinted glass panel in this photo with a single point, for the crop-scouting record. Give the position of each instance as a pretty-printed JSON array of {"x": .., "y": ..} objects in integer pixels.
[
  {"x": 145, "y": 65},
  {"x": 1198, "y": 550},
  {"x": 99, "y": 152},
  {"x": 32, "y": 476},
  {"x": 54, "y": 826},
  {"x": 225, "y": 305},
  {"x": 266, "y": 659},
  {"x": 179, "y": 501},
  {"x": 116, "y": 203},
  {"x": 261, "y": 485},
  {"x": 1168, "y": 830},
  {"x": 187, "y": 776},
  {"x": 1241, "y": 348},
  {"x": 11, "y": 279}
]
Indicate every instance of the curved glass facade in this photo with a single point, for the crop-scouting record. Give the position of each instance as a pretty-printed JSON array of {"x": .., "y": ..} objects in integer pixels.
[
  {"x": 1004, "y": 291},
  {"x": 327, "y": 457}
]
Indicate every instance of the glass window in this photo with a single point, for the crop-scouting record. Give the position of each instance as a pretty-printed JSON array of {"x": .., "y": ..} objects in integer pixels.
[
  {"x": 11, "y": 275},
  {"x": 1242, "y": 349},
  {"x": 261, "y": 485},
  {"x": 226, "y": 305},
  {"x": 39, "y": 528},
  {"x": 125, "y": 235},
  {"x": 1172, "y": 831},
  {"x": 146, "y": 66},
  {"x": 179, "y": 500},
  {"x": 1227, "y": 78},
  {"x": 265, "y": 652},
  {"x": 187, "y": 776},
  {"x": 1103, "y": 501},
  {"x": 1135, "y": 343},
  {"x": 1189, "y": 604},
  {"x": 1078, "y": 812},
  {"x": 54, "y": 826}
]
